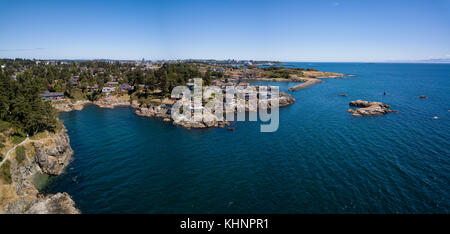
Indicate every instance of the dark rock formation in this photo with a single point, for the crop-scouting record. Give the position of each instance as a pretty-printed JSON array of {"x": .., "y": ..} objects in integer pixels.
[{"x": 366, "y": 108}]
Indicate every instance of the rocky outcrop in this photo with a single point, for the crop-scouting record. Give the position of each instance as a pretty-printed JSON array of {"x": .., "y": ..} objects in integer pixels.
[
  {"x": 53, "y": 159},
  {"x": 367, "y": 108},
  {"x": 204, "y": 123},
  {"x": 59, "y": 203},
  {"x": 286, "y": 99},
  {"x": 67, "y": 105},
  {"x": 111, "y": 102},
  {"x": 51, "y": 155}
]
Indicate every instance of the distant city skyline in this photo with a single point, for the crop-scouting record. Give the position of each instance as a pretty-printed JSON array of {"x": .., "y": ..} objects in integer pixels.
[{"x": 300, "y": 31}]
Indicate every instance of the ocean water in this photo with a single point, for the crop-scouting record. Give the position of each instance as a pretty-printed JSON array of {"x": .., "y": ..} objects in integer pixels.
[{"x": 321, "y": 159}]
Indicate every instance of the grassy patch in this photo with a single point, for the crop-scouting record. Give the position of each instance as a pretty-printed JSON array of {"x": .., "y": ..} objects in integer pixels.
[
  {"x": 5, "y": 172},
  {"x": 16, "y": 139},
  {"x": 39, "y": 136},
  {"x": 4, "y": 126},
  {"x": 20, "y": 154}
]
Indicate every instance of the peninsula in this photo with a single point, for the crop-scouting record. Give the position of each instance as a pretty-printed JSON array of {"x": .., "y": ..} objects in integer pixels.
[{"x": 146, "y": 86}]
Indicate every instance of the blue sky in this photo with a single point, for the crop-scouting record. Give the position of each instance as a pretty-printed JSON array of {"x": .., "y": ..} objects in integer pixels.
[{"x": 320, "y": 30}]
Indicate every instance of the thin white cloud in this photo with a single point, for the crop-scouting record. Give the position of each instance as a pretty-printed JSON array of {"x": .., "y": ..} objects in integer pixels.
[
  {"x": 335, "y": 4},
  {"x": 15, "y": 50}
]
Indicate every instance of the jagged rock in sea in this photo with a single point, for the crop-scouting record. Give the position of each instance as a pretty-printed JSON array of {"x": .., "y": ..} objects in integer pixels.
[
  {"x": 367, "y": 108},
  {"x": 50, "y": 156},
  {"x": 342, "y": 95},
  {"x": 423, "y": 96},
  {"x": 286, "y": 99}
]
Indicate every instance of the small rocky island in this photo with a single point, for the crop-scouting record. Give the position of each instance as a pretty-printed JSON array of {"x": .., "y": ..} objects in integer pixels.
[{"x": 367, "y": 108}]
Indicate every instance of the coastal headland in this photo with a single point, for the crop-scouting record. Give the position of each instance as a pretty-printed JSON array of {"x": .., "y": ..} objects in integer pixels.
[{"x": 36, "y": 158}]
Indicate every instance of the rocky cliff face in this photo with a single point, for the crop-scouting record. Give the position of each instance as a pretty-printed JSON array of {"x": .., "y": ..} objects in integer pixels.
[
  {"x": 53, "y": 159},
  {"x": 51, "y": 155}
]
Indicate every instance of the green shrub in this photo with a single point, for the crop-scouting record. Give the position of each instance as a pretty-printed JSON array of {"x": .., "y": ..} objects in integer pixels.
[
  {"x": 1, "y": 157},
  {"x": 4, "y": 126},
  {"x": 2, "y": 145},
  {"x": 5, "y": 172},
  {"x": 20, "y": 154}
]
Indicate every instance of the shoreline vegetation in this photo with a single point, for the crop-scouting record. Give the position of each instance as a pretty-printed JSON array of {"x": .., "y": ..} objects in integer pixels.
[{"x": 32, "y": 91}]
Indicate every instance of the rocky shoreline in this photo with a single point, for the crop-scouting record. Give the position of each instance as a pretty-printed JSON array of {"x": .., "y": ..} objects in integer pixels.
[
  {"x": 67, "y": 106},
  {"x": 158, "y": 111},
  {"x": 49, "y": 155}
]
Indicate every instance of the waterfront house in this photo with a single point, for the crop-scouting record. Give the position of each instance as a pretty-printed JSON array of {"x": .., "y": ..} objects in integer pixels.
[
  {"x": 108, "y": 90},
  {"x": 125, "y": 87},
  {"x": 52, "y": 95}
]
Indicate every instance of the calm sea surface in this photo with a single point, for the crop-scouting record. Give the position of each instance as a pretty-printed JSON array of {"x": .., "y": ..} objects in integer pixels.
[{"x": 321, "y": 159}]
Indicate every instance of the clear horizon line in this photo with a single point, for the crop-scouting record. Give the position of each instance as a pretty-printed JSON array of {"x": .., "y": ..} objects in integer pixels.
[{"x": 289, "y": 61}]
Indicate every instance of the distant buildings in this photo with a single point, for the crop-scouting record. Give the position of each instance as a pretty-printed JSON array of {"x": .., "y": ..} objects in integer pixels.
[{"x": 52, "y": 95}]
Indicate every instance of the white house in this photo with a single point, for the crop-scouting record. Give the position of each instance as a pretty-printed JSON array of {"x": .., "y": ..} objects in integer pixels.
[{"x": 108, "y": 90}]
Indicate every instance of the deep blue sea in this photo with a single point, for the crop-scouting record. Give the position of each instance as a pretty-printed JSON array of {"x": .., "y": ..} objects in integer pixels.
[{"x": 321, "y": 159}]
